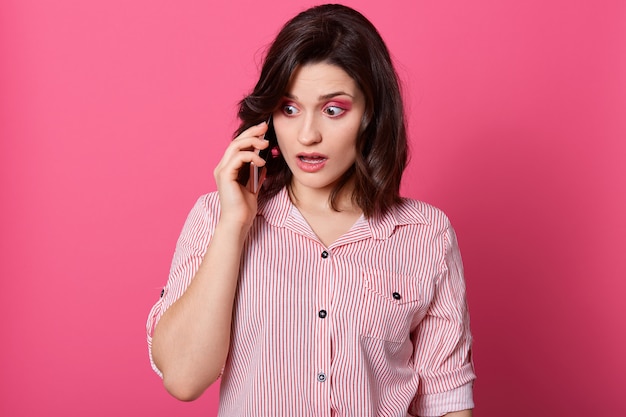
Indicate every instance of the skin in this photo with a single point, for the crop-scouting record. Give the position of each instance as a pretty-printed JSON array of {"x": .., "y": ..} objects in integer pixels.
[
  {"x": 318, "y": 122},
  {"x": 191, "y": 340},
  {"x": 464, "y": 413},
  {"x": 321, "y": 117}
]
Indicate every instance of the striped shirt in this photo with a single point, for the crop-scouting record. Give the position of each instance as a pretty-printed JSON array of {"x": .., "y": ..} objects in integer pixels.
[{"x": 376, "y": 324}]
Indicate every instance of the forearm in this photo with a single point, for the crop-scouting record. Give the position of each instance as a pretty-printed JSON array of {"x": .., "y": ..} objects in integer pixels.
[
  {"x": 464, "y": 413},
  {"x": 192, "y": 338}
]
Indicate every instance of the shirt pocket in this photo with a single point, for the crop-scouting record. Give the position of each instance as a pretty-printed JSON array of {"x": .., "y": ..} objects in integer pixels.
[{"x": 391, "y": 302}]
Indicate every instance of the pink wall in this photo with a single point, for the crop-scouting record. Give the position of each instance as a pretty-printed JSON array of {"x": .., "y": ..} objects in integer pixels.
[{"x": 113, "y": 114}]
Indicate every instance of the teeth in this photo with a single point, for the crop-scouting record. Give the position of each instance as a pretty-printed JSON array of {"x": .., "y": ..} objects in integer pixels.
[{"x": 311, "y": 160}]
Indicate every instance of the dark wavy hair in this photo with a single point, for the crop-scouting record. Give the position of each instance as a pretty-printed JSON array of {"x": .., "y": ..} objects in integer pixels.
[{"x": 340, "y": 36}]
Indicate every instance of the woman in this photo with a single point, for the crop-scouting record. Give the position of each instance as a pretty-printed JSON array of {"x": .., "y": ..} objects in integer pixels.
[{"x": 325, "y": 293}]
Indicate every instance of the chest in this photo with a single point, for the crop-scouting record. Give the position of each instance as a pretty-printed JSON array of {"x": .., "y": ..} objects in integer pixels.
[
  {"x": 329, "y": 228},
  {"x": 364, "y": 287}
]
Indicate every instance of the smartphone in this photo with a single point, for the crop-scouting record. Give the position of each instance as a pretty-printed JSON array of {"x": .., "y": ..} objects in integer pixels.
[{"x": 249, "y": 174}]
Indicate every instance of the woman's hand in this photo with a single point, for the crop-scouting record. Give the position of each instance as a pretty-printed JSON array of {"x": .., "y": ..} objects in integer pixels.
[
  {"x": 191, "y": 341},
  {"x": 238, "y": 204}
]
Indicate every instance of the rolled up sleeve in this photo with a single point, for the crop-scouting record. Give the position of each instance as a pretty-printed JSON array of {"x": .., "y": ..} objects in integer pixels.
[
  {"x": 190, "y": 249},
  {"x": 443, "y": 341}
]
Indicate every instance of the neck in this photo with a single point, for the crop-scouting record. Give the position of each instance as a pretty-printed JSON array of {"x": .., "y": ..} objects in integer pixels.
[{"x": 318, "y": 200}]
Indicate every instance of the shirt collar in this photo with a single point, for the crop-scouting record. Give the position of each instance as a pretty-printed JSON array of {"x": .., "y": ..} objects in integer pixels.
[
  {"x": 401, "y": 214},
  {"x": 277, "y": 210}
]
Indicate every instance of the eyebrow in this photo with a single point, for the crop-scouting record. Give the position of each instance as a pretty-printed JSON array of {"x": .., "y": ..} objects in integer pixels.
[{"x": 324, "y": 96}]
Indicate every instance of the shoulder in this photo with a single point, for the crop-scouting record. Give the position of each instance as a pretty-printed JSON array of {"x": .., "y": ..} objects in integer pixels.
[
  {"x": 204, "y": 214},
  {"x": 437, "y": 227},
  {"x": 207, "y": 204},
  {"x": 411, "y": 211},
  {"x": 209, "y": 200},
  {"x": 410, "y": 219}
]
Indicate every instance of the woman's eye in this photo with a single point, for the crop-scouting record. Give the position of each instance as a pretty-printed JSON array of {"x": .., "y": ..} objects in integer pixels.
[
  {"x": 333, "y": 110},
  {"x": 289, "y": 109}
]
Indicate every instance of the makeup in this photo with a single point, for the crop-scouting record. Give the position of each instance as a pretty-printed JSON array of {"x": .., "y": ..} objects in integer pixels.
[{"x": 311, "y": 162}]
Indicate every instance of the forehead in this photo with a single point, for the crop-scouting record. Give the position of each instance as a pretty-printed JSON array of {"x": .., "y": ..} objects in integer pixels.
[{"x": 321, "y": 79}]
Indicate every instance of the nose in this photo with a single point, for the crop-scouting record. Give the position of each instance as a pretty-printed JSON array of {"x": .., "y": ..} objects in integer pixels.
[{"x": 309, "y": 131}]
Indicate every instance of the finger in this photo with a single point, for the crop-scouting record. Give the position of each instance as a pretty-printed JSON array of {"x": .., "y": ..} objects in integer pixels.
[
  {"x": 229, "y": 168},
  {"x": 256, "y": 130},
  {"x": 245, "y": 157},
  {"x": 247, "y": 144},
  {"x": 243, "y": 149}
]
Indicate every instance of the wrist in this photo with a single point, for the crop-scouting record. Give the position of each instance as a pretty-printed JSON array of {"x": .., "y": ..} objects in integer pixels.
[{"x": 232, "y": 227}]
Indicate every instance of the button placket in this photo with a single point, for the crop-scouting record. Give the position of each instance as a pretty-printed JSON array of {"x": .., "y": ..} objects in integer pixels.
[{"x": 323, "y": 325}]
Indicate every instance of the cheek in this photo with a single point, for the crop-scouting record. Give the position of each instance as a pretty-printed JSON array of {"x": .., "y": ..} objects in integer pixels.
[
  {"x": 283, "y": 126},
  {"x": 354, "y": 126},
  {"x": 283, "y": 145},
  {"x": 349, "y": 137},
  {"x": 281, "y": 135}
]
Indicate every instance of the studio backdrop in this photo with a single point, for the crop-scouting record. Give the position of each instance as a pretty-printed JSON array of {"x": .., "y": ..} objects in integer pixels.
[{"x": 114, "y": 113}]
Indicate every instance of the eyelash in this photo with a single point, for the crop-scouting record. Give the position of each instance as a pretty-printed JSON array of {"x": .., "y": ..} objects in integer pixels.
[
  {"x": 338, "y": 110},
  {"x": 287, "y": 106},
  {"x": 290, "y": 110}
]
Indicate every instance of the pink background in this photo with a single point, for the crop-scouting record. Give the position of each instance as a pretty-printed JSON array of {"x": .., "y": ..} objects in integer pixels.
[{"x": 113, "y": 114}]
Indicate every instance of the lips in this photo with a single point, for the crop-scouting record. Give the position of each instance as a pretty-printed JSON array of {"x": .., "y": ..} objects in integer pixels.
[{"x": 311, "y": 162}]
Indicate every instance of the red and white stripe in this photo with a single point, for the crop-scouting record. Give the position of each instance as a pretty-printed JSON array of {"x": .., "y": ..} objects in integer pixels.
[{"x": 395, "y": 340}]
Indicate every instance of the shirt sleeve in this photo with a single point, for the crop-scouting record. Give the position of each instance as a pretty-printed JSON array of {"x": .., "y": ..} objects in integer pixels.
[
  {"x": 443, "y": 341},
  {"x": 190, "y": 249}
]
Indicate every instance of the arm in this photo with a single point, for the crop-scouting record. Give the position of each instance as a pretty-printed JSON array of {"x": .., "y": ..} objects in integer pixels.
[
  {"x": 464, "y": 413},
  {"x": 191, "y": 340},
  {"x": 442, "y": 341}
]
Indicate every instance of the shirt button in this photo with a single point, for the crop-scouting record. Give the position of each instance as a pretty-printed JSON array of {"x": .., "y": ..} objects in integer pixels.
[
  {"x": 396, "y": 296},
  {"x": 322, "y": 314},
  {"x": 162, "y": 292},
  {"x": 321, "y": 377},
  {"x": 324, "y": 254}
]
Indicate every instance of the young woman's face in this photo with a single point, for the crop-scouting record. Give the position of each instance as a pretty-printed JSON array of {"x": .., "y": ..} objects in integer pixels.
[{"x": 317, "y": 125}]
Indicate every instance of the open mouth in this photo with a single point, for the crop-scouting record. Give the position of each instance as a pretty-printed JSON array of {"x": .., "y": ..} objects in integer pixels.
[
  {"x": 312, "y": 159},
  {"x": 311, "y": 162}
]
